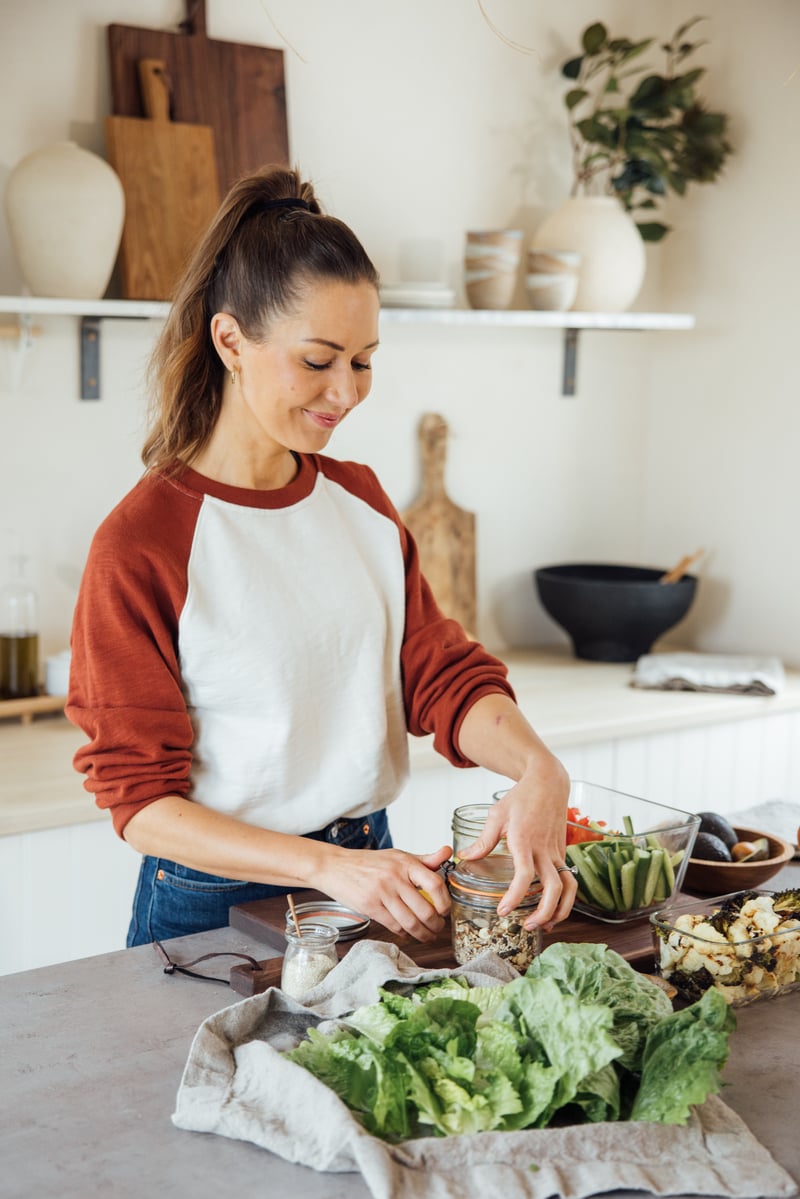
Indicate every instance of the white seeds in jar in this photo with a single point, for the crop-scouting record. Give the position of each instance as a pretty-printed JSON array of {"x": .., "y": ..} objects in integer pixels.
[{"x": 303, "y": 972}]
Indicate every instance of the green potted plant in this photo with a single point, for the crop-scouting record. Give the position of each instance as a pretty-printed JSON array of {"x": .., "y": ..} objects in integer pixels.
[
  {"x": 636, "y": 135},
  {"x": 656, "y": 139}
]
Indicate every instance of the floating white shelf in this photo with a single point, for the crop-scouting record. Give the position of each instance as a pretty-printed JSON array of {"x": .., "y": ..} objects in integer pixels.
[{"x": 91, "y": 312}]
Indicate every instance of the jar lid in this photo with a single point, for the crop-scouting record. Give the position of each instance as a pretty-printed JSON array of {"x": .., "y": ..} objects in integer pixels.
[
  {"x": 347, "y": 922},
  {"x": 488, "y": 878}
]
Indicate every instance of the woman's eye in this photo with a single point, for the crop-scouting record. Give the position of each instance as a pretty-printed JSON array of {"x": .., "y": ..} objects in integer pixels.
[
  {"x": 362, "y": 366},
  {"x": 316, "y": 366}
]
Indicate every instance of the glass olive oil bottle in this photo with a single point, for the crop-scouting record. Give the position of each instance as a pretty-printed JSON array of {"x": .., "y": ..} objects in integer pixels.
[{"x": 19, "y": 635}]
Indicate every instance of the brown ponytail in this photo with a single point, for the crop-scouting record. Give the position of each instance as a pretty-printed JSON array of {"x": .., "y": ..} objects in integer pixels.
[{"x": 267, "y": 242}]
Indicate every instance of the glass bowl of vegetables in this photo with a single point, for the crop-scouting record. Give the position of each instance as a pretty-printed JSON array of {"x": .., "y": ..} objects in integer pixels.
[
  {"x": 629, "y": 854},
  {"x": 745, "y": 945}
]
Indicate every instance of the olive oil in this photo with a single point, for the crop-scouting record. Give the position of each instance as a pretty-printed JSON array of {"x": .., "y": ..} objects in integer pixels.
[
  {"x": 19, "y": 666},
  {"x": 19, "y": 633}
]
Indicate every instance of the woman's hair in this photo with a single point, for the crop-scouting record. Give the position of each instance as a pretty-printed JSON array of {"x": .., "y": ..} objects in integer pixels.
[{"x": 268, "y": 242}]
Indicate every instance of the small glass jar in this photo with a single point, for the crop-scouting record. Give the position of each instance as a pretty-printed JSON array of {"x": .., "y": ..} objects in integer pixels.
[
  {"x": 310, "y": 955},
  {"x": 475, "y": 889}
]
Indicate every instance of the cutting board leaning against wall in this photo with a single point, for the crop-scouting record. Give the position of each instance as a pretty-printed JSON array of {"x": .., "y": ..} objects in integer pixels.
[
  {"x": 169, "y": 176},
  {"x": 444, "y": 533},
  {"x": 236, "y": 88}
]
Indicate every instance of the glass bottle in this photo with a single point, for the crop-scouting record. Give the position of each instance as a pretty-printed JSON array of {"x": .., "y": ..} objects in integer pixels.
[
  {"x": 19, "y": 634},
  {"x": 309, "y": 957}
]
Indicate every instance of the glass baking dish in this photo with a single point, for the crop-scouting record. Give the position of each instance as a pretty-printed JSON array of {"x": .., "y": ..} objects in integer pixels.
[{"x": 745, "y": 944}]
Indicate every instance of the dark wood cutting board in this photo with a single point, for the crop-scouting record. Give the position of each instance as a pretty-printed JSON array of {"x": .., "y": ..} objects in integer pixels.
[
  {"x": 265, "y": 919},
  {"x": 444, "y": 533},
  {"x": 236, "y": 88},
  {"x": 169, "y": 176}
]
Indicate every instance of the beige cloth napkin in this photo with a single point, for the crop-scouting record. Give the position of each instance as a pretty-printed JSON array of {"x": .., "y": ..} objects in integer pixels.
[
  {"x": 237, "y": 1083},
  {"x": 733, "y": 673}
]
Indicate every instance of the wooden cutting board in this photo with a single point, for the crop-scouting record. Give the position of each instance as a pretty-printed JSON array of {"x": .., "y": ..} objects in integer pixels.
[
  {"x": 169, "y": 176},
  {"x": 444, "y": 533},
  {"x": 235, "y": 88},
  {"x": 265, "y": 919}
]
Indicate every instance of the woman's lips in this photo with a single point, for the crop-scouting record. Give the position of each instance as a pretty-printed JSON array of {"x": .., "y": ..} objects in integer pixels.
[{"x": 325, "y": 420}]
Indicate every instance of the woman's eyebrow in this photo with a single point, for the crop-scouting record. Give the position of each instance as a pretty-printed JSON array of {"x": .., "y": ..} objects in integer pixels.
[{"x": 321, "y": 341}]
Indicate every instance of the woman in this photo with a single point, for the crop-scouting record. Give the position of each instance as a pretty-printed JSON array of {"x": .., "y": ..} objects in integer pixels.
[{"x": 253, "y": 639}]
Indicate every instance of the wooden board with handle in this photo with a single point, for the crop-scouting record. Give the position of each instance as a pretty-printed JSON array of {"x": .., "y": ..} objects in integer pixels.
[
  {"x": 169, "y": 176},
  {"x": 265, "y": 919},
  {"x": 235, "y": 88},
  {"x": 444, "y": 533}
]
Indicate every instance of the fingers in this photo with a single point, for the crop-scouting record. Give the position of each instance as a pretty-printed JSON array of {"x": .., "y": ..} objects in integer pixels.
[
  {"x": 388, "y": 886},
  {"x": 558, "y": 896}
]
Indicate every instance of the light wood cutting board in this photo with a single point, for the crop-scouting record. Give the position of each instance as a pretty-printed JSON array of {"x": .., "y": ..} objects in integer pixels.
[
  {"x": 444, "y": 533},
  {"x": 169, "y": 175}
]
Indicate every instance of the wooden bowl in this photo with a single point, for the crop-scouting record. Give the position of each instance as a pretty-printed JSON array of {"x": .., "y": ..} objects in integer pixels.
[{"x": 720, "y": 878}]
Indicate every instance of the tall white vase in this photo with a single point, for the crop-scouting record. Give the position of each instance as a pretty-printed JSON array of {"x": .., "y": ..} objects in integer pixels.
[
  {"x": 612, "y": 257},
  {"x": 65, "y": 209}
]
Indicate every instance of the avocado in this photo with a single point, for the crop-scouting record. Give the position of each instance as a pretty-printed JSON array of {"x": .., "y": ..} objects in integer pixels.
[
  {"x": 709, "y": 848},
  {"x": 718, "y": 826}
]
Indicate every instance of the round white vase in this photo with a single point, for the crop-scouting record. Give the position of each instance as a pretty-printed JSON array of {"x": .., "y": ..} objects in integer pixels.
[
  {"x": 612, "y": 257},
  {"x": 65, "y": 209}
]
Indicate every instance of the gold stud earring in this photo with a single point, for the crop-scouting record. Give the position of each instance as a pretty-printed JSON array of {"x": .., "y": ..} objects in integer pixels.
[{"x": 233, "y": 376}]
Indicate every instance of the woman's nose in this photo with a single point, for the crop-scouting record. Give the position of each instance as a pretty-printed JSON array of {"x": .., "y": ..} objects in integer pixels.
[{"x": 343, "y": 390}]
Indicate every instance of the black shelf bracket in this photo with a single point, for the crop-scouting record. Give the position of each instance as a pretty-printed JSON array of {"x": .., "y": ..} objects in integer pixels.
[
  {"x": 90, "y": 357},
  {"x": 570, "y": 362}
]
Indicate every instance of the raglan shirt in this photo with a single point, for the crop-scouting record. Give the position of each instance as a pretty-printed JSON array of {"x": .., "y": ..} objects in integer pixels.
[{"x": 263, "y": 653}]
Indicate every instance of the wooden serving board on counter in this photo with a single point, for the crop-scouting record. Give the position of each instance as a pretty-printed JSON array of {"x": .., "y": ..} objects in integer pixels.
[{"x": 265, "y": 919}]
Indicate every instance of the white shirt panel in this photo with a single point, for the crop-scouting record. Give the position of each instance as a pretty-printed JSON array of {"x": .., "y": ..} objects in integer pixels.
[{"x": 289, "y": 644}]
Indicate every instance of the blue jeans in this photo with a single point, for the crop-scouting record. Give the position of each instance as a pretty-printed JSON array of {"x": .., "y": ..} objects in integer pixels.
[{"x": 172, "y": 901}]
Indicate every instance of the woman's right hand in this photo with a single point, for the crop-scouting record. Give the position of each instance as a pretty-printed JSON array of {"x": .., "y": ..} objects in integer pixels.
[{"x": 400, "y": 890}]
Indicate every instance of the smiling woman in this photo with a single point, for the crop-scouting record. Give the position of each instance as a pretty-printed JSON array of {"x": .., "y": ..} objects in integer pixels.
[{"x": 254, "y": 639}]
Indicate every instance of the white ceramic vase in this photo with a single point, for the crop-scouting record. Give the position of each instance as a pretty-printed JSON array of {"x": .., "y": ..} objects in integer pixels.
[
  {"x": 65, "y": 209},
  {"x": 612, "y": 257}
]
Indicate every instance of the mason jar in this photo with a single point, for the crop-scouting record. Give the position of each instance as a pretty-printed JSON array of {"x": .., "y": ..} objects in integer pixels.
[
  {"x": 310, "y": 955},
  {"x": 475, "y": 889},
  {"x": 468, "y": 824}
]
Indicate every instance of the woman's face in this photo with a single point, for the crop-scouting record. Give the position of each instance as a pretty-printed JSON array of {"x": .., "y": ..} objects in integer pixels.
[{"x": 311, "y": 369}]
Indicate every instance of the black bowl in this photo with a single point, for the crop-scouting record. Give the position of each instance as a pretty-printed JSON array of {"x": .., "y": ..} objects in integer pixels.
[{"x": 612, "y": 613}]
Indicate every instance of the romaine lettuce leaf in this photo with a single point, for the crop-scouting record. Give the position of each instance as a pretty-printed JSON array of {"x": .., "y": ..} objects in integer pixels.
[{"x": 682, "y": 1060}]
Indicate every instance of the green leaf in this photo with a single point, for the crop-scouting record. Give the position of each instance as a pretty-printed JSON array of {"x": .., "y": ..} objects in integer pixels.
[
  {"x": 574, "y": 96},
  {"x": 572, "y": 68},
  {"x": 592, "y": 129},
  {"x": 652, "y": 230},
  {"x": 594, "y": 37},
  {"x": 633, "y": 50},
  {"x": 682, "y": 1060},
  {"x": 684, "y": 29}
]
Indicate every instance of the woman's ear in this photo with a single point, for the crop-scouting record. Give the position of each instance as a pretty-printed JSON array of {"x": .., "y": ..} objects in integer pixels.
[{"x": 227, "y": 338}]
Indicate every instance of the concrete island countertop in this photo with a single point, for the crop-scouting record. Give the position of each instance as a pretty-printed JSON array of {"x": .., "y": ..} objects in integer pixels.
[
  {"x": 91, "y": 1057},
  {"x": 569, "y": 702}
]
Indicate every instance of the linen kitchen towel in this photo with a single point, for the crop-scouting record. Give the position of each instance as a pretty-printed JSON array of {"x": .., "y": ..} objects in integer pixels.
[
  {"x": 734, "y": 673},
  {"x": 237, "y": 1083}
]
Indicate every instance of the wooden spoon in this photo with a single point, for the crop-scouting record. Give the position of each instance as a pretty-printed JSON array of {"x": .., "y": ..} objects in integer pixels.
[{"x": 680, "y": 568}]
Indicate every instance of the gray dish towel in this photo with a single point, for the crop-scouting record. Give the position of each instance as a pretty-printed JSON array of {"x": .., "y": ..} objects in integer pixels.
[
  {"x": 734, "y": 673},
  {"x": 237, "y": 1083}
]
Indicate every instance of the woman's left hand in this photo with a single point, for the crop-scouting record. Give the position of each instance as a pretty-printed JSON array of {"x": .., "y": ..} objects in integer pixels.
[{"x": 532, "y": 817}]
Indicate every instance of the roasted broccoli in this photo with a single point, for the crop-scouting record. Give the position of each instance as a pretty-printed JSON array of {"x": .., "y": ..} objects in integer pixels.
[
  {"x": 787, "y": 902},
  {"x": 728, "y": 912}
]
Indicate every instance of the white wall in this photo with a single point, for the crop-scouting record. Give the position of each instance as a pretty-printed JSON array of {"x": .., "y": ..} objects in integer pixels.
[{"x": 416, "y": 122}]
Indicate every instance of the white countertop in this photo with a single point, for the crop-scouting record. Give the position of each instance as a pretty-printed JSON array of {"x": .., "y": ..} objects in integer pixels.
[{"x": 569, "y": 702}]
